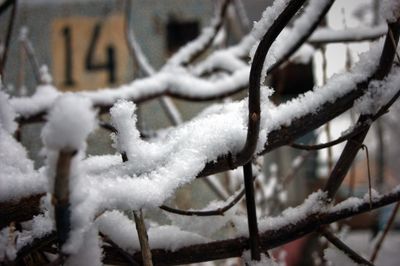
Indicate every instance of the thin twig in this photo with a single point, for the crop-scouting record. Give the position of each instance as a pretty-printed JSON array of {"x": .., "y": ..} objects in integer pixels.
[
  {"x": 8, "y": 38},
  {"x": 143, "y": 238},
  {"x": 364, "y": 147},
  {"x": 354, "y": 256},
  {"x": 385, "y": 232},
  {"x": 219, "y": 211},
  {"x": 30, "y": 51}
]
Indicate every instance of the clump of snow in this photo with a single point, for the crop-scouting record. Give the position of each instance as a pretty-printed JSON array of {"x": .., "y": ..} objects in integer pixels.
[
  {"x": 350, "y": 203},
  {"x": 45, "y": 77},
  {"x": 264, "y": 261},
  {"x": 40, "y": 101},
  {"x": 390, "y": 10},
  {"x": 7, "y": 113},
  {"x": 379, "y": 93},
  {"x": 128, "y": 138},
  {"x": 70, "y": 121}
]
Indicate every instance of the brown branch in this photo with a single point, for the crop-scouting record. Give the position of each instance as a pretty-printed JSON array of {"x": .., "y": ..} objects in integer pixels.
[
  {"x": 354, "y": 256},
  {"x": 143, "y": 238},
  {"x": 60, "y": 198}
]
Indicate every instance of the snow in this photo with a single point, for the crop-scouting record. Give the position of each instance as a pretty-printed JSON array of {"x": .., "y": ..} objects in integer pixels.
[
  {"x": 7, "y": 114},
  {"x": 40, "y": 101},
  {"x": 122, "y": 230},
  {"x": 70, "y": 121},
  {"x": 185, "y": 53},
  {"x": 358, "y": 33},
  {"x": 390, "y": 10},
  {"x": 18, "y": 177},
  {"x": 201, "y": 224},
  {"x": 91, "y": 254},
  {"x": 379, "y": 93},
  {"x": 265, "y": 261},
  {"x": 315, "y": 203},
  {"x": 154, "y": 170},
  {"x": 103, "y": 186}
]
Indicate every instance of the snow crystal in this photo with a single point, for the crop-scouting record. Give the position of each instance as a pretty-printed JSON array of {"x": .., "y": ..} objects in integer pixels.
[
  {"x": 390, "y": 10},
  {"x": 70, "y": 121}
]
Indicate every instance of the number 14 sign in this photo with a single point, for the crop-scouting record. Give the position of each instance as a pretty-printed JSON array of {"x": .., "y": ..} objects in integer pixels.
[{"x": 89, "y": 52}]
